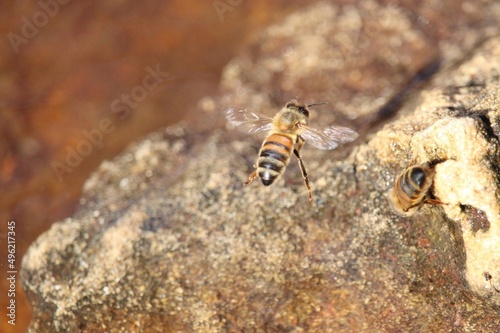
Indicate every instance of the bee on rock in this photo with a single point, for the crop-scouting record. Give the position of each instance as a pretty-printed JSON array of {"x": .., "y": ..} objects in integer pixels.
[
  {"x": 287, "y": 132},
  {"x": 412, "y": 189}
]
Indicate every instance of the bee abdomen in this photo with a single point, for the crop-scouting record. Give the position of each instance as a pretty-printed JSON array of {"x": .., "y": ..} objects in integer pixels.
[
  {"x": 273, "y": 158},
  {"x": 413, "y": 182},
  {"x": 274, "y": 155},
  {"x": 412, "y": 188},
  {"x": 269, "y": 170}
]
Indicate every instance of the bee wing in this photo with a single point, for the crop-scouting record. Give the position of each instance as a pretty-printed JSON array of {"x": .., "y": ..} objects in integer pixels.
[
  {"x": 328, "y": 138},
  {"x": 253, "y": 122}
]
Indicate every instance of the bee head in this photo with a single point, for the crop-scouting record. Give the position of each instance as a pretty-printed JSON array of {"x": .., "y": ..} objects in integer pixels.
[
  {"x": 293, "y": 104},
  {"x": 303, "y": 110}
]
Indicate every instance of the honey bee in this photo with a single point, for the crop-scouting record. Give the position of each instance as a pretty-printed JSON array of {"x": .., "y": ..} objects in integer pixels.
[
  {"x": 412, "y": 189},
  {"x": 287, "y": 132}
]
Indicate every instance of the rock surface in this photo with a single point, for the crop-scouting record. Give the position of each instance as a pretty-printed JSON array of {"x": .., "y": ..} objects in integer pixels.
[{"x": 169, "y": 240}]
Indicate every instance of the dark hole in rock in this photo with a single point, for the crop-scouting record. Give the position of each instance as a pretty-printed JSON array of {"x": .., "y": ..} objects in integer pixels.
[{"x": 477, "y": 218}]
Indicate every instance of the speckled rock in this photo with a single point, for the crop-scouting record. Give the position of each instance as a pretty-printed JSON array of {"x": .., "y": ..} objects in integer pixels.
[
  {"x": 169, "y": 240},
  {"x": 456, "y": 127}
]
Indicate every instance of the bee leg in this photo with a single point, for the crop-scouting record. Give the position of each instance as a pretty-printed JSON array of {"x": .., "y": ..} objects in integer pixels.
[
  {"x": 251, "y": 177},
  {"x": 434, "y": 202},
  {"x": 303, "y": 170}
]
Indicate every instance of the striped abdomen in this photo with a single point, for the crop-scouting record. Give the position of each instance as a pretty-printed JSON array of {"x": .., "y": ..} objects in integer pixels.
[
  {"x": 413, "y": 185},
  {"x": 273, "y": 157}
]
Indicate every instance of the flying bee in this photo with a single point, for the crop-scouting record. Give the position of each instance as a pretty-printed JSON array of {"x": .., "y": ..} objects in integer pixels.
[
  {"x": 412, "y": 189},
  {"x": 287, "y": 132}
]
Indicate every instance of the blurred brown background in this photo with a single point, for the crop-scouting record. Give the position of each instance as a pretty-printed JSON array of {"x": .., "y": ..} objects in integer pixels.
[{"x": 68, "y": 67}]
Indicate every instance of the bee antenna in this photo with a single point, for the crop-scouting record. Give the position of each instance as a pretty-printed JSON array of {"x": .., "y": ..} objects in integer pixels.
[{"x": 314, "y": 104}]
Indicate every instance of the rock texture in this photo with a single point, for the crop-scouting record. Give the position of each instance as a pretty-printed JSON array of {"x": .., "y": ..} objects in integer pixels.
[
  {"x": 459, "y": 131},
  {"x": 169, "y": 240}
]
